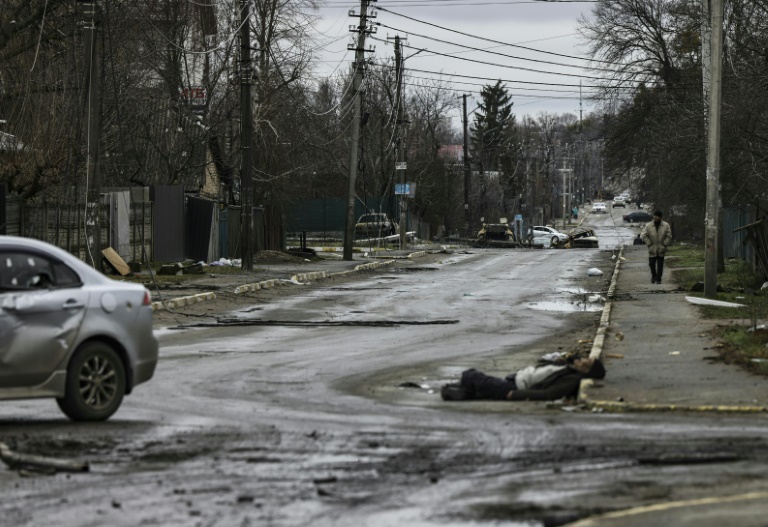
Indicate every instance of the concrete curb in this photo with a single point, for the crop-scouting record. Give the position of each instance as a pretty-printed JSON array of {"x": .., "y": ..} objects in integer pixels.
[
  {"x": 267, "y": 284},
  {"x": 183, "y": 301},
  {"x": 605, "y": 319}
]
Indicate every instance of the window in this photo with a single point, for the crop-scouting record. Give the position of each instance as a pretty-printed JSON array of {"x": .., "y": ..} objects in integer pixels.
[{"x": 21, "y": 271}]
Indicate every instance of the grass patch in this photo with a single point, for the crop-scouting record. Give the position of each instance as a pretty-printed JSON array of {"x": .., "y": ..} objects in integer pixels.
[
  {"x": 685, "y": 255},
  {"x": 741, "y": 346},
  {"x": 741, "y": 341}
]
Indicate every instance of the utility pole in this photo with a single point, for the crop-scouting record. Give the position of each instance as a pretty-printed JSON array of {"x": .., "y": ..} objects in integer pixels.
[
  {"x": 361, "y": 30},
  {"x": 713, "y": 151},
  {"x": 246, "y": 140},
  {"x": 565, "y": 188},
  {"x": 400, "y": 152},
  {"x": 467, "y": 172},
  {"x": 93, "y": 103}
]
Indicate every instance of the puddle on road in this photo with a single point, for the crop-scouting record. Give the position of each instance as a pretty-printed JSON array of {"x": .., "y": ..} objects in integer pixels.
[
  {"x": 570, "y": 300},
  {"x": 563, "y": 306}
]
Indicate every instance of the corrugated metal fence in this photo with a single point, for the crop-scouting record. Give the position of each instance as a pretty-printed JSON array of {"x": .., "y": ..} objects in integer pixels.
[{"x": 64, "y": 226}]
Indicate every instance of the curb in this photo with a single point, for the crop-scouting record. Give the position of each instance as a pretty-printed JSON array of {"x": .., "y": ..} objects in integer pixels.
[
  {"x": 268, "y": 284},
  {"x": 605, "y": 319},
  {"x": 183, "y": 301}
]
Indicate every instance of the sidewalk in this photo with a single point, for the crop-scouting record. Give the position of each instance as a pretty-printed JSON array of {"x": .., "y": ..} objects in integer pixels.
[{"x": 668, "y": 362}]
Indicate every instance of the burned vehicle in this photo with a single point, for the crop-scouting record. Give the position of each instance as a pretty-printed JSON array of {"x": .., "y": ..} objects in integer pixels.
[
  {"x": 582, "y": 238},
  {"x": 375, "y": 224},
  {"x": 495, "y": 235}
]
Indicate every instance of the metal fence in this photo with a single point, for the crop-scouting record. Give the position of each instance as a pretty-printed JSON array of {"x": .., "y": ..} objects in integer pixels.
[{"x": 65, "y": 226}]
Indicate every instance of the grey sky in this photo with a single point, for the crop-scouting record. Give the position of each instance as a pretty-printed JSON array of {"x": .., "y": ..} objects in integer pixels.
[{"x": 545, "y": 26}]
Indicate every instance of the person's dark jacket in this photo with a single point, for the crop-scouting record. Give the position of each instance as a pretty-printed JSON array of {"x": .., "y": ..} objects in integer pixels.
[{"x": 563, "y": 383}]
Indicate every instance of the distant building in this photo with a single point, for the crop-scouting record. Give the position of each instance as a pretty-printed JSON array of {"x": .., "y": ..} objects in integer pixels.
[{"x": 451, "y": 153}]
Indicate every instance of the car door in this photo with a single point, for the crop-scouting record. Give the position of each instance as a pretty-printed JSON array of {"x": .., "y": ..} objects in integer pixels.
[
  {"x": 542, "y": 235},
  {"x": 42, "y": 306}
]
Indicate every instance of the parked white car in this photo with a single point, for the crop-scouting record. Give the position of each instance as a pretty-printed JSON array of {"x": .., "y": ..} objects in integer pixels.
[
  {"x": 547, "y": 236},
  {"x": 599, "y": 208}
]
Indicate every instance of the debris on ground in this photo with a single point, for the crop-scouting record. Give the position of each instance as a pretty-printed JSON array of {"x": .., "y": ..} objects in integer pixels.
[{"x": 40, "y": 464}]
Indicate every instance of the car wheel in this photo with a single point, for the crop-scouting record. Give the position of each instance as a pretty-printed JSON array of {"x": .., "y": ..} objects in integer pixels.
[
  {"x": 95, "y": 383},
  {"x": 555, "y": 241}
]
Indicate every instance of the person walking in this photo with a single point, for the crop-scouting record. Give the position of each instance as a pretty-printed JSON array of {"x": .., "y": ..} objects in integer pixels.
[{"x": 657, "y": 235}]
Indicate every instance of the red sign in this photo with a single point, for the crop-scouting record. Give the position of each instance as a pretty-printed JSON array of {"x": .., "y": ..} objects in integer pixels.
[{"x": 195, "y": 95}]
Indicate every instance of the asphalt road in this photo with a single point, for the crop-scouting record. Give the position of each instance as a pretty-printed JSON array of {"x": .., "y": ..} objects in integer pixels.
[{"x": 322, "y": 408}]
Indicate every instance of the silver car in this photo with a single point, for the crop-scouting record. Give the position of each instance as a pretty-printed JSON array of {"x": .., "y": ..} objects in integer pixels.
[{"x": 69, "y": 332}]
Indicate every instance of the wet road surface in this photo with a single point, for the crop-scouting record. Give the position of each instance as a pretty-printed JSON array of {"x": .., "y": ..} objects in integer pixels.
[{"x": 333, "y": 424}]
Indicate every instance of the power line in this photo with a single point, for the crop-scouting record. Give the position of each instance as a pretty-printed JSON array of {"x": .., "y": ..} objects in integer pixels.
[
  {"x": 452, "y": 3},
  {"x": 494, "y": 52},
  {"x": 519, "y": 88},
  {"x": 494, "y": 79},
  {"x": 518, "y": 95},
  {"x": 492, "y": 40},
  {"x": 507, "y": 66}
]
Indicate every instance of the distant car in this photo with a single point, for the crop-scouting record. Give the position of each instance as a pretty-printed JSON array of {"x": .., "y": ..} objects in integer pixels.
[
  {"x": 375, "y": 224},
  {"x": 69, "y": 332},
  {"x": 618, "y": 201},
  {"x": 626, "y": 198},
  {"x": 637, "y": 216},
  {"x": 599, "y": 207},
  {"x": 548, "y": 236}
]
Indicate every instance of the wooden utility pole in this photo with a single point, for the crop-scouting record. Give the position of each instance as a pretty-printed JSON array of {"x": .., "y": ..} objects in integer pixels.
[
  {"x": 400, "y": 157},
  {"x": 357, "y": 81},
  {"x": 93, "y": 104},
  {"x": 713, "y": 151},
  {"x": 467, "y": 171},
  {"x": 246, "y": 141}
]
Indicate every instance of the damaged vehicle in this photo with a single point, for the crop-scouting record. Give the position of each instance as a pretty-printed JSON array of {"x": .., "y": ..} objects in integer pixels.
[
  {"x": 70, "y": 333},
  {"x": 375, "y": 224},
  {"x": 495, "y": 235},
  {"x": 582, "y": 238},
  {"x": 547, "y": 236}
]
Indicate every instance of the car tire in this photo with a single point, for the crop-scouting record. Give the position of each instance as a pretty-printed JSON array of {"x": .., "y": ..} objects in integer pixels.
[
  {"x": 95, "y": 383},
  {"x": 555, "y": 241}
]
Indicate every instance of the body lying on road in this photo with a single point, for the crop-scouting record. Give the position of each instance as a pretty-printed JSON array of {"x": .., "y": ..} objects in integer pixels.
[{"x": 546, "y": 381}]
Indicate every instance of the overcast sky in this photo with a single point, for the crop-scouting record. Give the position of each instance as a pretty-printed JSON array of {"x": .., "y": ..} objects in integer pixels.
[{"x": 543, "y": 26}]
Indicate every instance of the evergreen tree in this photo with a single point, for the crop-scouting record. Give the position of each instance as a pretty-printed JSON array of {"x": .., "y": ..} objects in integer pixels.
[
  {"x": 493, "y": 155},
  {"x": 494, "y": 124}
]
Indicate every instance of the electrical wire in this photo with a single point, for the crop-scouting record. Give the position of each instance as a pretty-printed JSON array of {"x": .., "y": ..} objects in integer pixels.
[
  {"x": 492, "y": 40},
  {"x": 483, "y": 85},
  {"x": 507, "y": 66},
  {"x": 39, "y": 37},
  {"x": 496, "y": 52},
  {"x": 450, "y": 3},
  {"x": 494, "y": 79}
]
